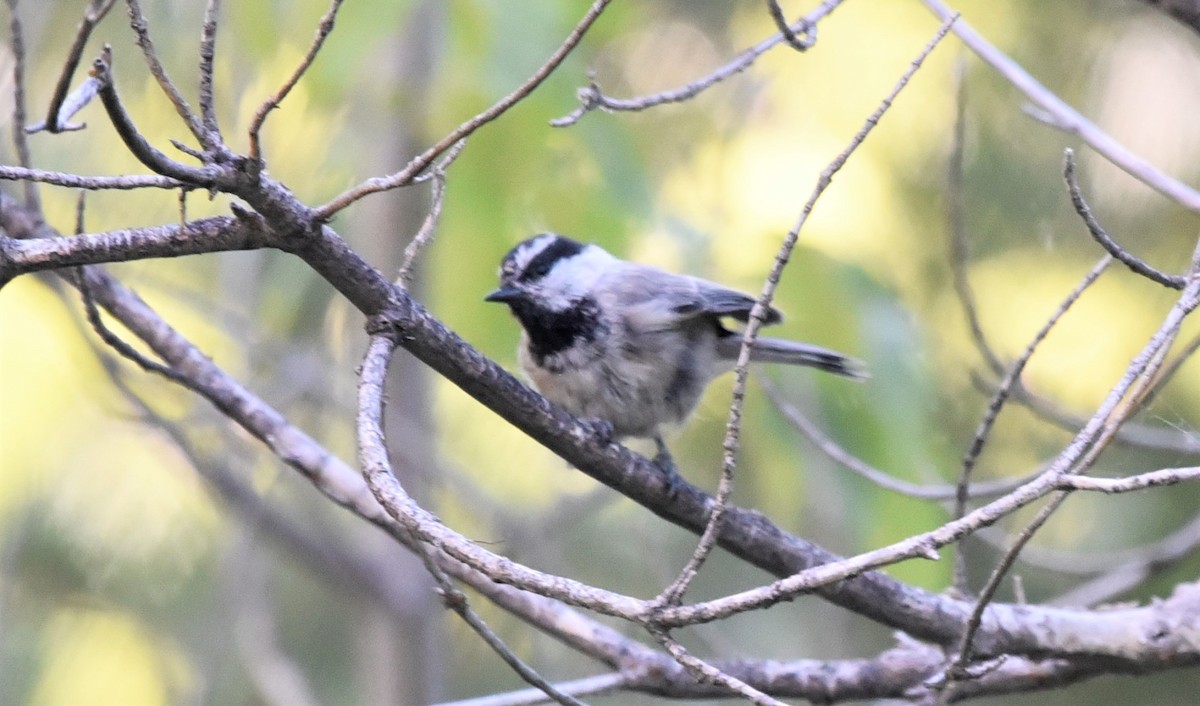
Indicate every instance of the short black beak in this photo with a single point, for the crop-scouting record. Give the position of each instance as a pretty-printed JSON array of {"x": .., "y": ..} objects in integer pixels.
[{"x": 504, "y": 294}]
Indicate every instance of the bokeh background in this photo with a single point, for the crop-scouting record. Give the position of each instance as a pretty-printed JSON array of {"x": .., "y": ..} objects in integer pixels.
[{"x": 126, "y": 579}]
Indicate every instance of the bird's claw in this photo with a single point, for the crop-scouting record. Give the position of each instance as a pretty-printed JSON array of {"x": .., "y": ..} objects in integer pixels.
[
  {"x": 601, "y": 430},
  {"x": 666, "y": 464}
]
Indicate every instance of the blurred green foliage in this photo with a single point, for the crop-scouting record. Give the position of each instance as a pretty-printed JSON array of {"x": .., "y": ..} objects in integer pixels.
[{"x": 123, "y": 578}]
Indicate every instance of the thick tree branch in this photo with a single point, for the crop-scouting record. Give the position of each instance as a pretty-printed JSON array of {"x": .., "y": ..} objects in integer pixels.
[{"x": 208, "y": 235}]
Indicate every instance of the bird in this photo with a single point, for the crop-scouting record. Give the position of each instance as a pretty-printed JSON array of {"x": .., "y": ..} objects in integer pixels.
[{"x": 631, "y": 345}]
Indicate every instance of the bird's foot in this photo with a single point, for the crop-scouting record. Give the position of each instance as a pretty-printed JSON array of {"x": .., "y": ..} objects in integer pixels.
[
  {"x": 666, "y": 464},
  {"x": 601, "y": 430}
]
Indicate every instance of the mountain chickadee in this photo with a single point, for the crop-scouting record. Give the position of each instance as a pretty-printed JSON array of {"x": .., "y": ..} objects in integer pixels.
[{"x": 626, "y": 343}]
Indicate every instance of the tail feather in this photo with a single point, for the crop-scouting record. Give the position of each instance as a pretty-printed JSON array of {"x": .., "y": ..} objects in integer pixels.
[{"x": 777, "y": 350}]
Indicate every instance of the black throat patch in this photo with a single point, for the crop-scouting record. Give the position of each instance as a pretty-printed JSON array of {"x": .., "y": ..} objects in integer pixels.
[{"x": 552, "y": 332}]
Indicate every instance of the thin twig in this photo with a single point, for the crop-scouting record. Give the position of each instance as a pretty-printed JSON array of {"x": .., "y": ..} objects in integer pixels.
[
  {"x": 1131, "y": 433},
  {"x": 1141, "y": 481},
  {"x": 959, "y": 249},
  {"x": 591, "y": 97},
  {"x": 984, "y": 429},
  {"x": 208, "y": 50},
  {"x": 456, "y": 601},
  {"x": 1067, "y": 118},
  {"x": 790, "y": 36},
  {"x": 708, "y": 539},
  {"x": 1135, "y": 567},
  {"x": 429, "y": 226},
  {"x": 33, "y": 200},
  {"x": 114, "y": 341},
  {"x": 1168, "y": 371},
  {"x": 61, "y": 109},
  {"x": 421, "y": 162},
  {"x": 94, "y": 183},
  {"x": 1130, "y": 260},
  {"x": 1077, "y": 455},
  {"x": 1145, "y": 377},
  {"x": 80, "y": 211},
  {"x": 704, "y": 672},
  {"x": 600, "y": 684},
  {"x": 260, "y": 115},
  {"x": 883, "y": 479},
  {"x": 141, "y": 29},
  {"x": 182, "y": 198},
  {"x": 1146, "y": 380},
  {"x": 146, "y": 153},
  {"x": 958, "y": 668}
]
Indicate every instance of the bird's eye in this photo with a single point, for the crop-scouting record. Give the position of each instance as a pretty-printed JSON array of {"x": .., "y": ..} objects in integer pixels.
[{"x": 538, "y": 271}]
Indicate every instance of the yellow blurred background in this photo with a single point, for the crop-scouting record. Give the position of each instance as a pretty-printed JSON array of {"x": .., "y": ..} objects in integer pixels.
[{"x": 126, "y": 579}]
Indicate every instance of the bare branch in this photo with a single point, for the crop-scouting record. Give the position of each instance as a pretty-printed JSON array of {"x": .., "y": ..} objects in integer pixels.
[
  {"x": 94, "y": 183},
  {"x": 208, "y": 235},
  {"x": 421, "y": 162},
  {"x": 143, "y": 150},
  {"x": 706, "y": 673},
  {"x": 758, "y": 314},
  {"x": 883, "y": 479},
  {"x": 141, "y": 29},
  {"x": 984, "y": 429},
  {"x": 62, "y": 106},
  {"x": 456, "y": 601},
  {"x": 587, "y": 686},
  {"x": 959, "y": 249},
  {"x": 591, "y": 97},
  {"x": 1067, "y": 118},
  {"x": 794, "y": 41},
  {"x": 373, "y": 458},
  {"x": 371, "y": 388},
  {"x": 33, "y": 200},
  {"x": 260, "y": 115},
  {"x": 1150, "y": 479},
  {"x": 429, "y": 227},
  {"x": 1135, "y": 566},
  {"x": 960, "y": 668},
  {"x": 1130, "y": 260},
  {"x": 115, "y": 342},
  {"x": 208, "y": 48}
]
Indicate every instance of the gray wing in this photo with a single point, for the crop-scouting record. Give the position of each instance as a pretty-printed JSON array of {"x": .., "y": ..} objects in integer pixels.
[
  {"x": 712, "y": 298},
  {"x": 653, "y": 299}
]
